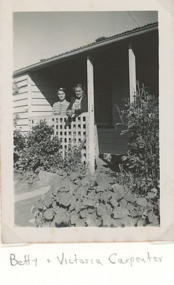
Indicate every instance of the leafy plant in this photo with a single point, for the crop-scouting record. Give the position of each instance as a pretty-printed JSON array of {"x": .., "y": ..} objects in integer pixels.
[
  {"x": 141, "y": 119},
  {"x": 41, "y": 149},
  {"x": 18, "y": 140},
  {"x": 73, "y": 159}
]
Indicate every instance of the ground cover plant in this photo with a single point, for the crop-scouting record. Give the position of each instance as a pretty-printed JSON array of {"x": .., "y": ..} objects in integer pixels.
[{"x": 82, "y": 200}]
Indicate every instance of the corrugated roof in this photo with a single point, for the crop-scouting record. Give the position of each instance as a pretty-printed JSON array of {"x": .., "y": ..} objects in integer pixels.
[{"x": 97, "y": 43}]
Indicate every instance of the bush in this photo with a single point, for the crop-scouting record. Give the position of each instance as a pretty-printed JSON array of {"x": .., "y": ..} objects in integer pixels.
[
  {"x": 73, "y": 159},
  {"x": 141, "y": 119},
  {"x": 41, "y": 149},
  {"x": 18, "y": 140}
]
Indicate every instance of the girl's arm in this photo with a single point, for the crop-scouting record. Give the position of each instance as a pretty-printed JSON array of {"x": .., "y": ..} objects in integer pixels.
[{"x": 84, "y": 106}]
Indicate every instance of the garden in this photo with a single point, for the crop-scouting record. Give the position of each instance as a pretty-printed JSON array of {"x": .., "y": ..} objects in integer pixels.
[{"x": 127, "y": 197}]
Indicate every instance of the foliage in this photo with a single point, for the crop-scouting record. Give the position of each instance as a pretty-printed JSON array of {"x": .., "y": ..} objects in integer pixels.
[
  {"x": 73, "y": 159},
  {"x": 18, "y": 140},
  {"x": 40, "y": 150},
  {"x": 76, "y": 200},
  {"x": 141, "y": 119}
]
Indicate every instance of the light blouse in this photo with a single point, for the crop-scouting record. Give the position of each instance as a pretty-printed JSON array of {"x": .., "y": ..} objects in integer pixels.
[{"x": 60, "y": 107}]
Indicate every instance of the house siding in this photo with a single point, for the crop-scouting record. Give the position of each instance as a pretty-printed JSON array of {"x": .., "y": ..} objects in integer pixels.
[
  {"x": 40, "y": 90},
  {"x": 20, "y": 102}
]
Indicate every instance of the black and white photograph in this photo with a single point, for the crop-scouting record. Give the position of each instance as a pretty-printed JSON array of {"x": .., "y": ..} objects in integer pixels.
[
  {"x": 86, "y": 119},
  {"x": 85, "y": 126},
  {"x": 87, "y": 136}
]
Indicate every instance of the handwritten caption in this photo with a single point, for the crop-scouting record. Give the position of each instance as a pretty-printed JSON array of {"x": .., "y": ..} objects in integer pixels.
[{"x": 63, "y": 260}]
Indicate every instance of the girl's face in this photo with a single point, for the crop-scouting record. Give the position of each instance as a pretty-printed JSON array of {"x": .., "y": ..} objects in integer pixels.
[
  {"x": 79, "y": 92},
  {"x": 61, "y": 95}
]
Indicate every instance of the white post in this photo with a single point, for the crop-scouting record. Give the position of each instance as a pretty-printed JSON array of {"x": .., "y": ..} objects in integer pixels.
[
  {"x": 132, "y": 73},
  {"x": 90, "y": 83}
]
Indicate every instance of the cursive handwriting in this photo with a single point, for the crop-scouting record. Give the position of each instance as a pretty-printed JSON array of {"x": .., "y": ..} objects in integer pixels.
[
  {"x": 63, "y": 259},
  {"x": 25, "y": 261},
  {"x": 75, "y": 260},
  {"x": 114, "y": 258}
]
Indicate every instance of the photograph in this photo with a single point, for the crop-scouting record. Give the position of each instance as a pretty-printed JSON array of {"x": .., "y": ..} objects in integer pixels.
[
  {"x": 86, "y": 119},
  {"x": 87, "y": 136}
]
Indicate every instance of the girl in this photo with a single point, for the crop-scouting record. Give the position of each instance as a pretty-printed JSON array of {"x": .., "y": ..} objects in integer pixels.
[{"x": 60, "y": 107}]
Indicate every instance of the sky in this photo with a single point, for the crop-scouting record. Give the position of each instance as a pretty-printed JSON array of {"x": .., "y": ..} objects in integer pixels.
[{"x": 40, "y": 35}]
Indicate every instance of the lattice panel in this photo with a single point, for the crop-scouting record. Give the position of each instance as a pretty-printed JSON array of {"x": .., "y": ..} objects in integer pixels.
[{"x": 70, "y": 134}]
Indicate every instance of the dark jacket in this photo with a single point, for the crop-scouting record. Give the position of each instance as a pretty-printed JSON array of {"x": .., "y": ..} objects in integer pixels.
[{"x": 84, "y": 105}]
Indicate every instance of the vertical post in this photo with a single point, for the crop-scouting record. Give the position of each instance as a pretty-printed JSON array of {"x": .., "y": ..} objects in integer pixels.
[
  {"x": 29, "y": 101},
  {"x": 90, "y": 85},
  {"x": 132, "y": 73}
]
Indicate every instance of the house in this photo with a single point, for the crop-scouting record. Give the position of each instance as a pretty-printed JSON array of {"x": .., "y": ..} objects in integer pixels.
[{"x": 108, "y": 67}]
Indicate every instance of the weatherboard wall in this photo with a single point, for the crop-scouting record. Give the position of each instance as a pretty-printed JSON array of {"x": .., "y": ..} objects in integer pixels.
[
  {"x": 42, "y": 93},
  {"x": 20, "y": 102}
]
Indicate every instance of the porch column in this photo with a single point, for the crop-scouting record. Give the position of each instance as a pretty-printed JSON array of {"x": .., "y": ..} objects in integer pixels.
[
  {"x": 90, "y": 85},
  {"x": 132, "y": 73}
]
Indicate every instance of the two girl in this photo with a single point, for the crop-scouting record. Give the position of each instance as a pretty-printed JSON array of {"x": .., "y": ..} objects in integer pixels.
[{"x": 77, "y": 105}]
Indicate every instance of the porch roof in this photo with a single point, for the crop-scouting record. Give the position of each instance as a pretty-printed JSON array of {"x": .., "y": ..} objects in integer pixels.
[{"x": 101, "y": 42}]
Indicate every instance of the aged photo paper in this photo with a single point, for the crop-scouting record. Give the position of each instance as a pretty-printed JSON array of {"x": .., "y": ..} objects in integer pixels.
[{"x": 74, "y": 68}]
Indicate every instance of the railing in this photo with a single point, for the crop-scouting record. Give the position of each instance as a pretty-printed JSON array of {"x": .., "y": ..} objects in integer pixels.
[{"x": 70, "y": 134}]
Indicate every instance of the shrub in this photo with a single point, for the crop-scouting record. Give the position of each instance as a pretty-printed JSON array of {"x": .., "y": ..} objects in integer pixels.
[
  {"x": 18, "y": 140},
  {"x": 73, "y": 159},
  {"x": 41, "y": 149},
  {"x": 141, "y": 119}
]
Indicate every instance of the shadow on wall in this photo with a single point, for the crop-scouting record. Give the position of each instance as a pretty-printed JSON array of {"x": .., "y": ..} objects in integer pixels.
[{"x": 44, "y": 85}]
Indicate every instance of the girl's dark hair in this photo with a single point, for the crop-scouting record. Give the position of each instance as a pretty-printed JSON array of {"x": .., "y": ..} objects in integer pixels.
[
  {"x": 61, "y": 89},
  {"x": 79, "y": 85}
]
